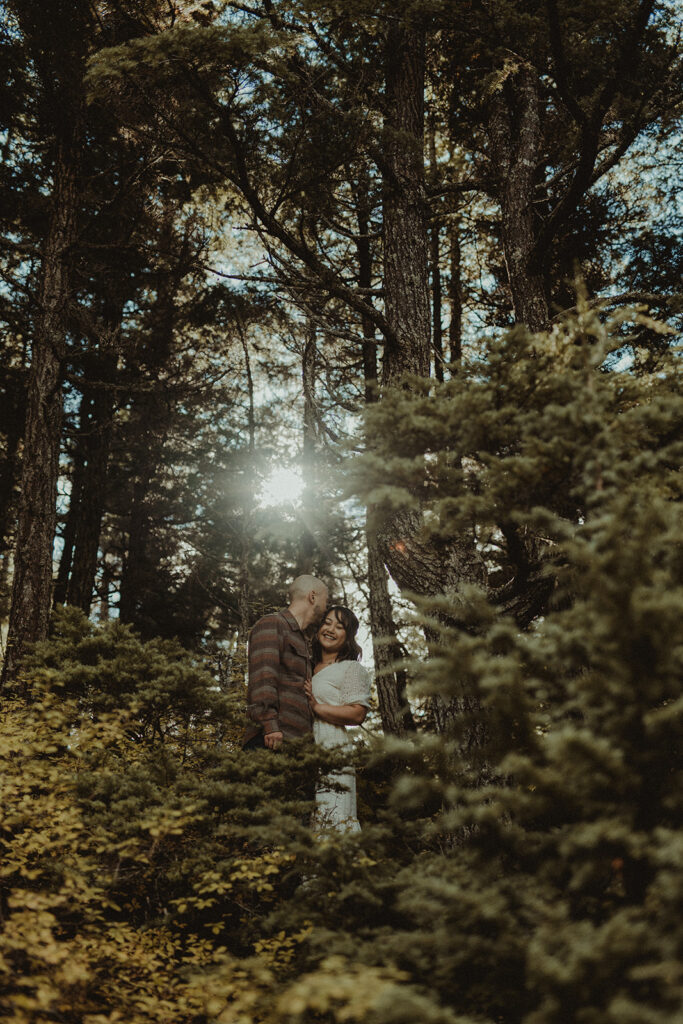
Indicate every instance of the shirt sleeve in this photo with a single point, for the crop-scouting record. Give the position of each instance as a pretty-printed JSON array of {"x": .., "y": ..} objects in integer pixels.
[
  {"x": 355, "y": 686},
  {"x": 263, "y": 698}
]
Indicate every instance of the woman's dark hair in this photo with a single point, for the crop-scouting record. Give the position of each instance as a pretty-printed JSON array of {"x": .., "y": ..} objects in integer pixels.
[{"x": 350, "y": 651}]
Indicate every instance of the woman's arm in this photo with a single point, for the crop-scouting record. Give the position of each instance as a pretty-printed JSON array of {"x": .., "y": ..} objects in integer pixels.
[{"x": 342, "y": 714}]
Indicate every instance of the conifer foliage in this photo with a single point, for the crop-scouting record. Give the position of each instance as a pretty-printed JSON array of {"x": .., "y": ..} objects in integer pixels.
[
  {"x": 562, "y": 870},
  {"x": 221, "y": 252},
  {"x": 533, "y": 877}
]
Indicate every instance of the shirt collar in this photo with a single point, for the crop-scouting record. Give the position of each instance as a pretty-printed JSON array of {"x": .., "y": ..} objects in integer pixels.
[{"x": 291, "y": 621}]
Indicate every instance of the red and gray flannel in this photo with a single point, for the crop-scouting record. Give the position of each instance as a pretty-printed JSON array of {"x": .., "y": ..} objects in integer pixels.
[{"x": 279, "y": 665}]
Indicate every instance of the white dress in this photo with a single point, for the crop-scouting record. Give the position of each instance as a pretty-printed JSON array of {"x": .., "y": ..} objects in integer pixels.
[{"x": 342, "y": 682}]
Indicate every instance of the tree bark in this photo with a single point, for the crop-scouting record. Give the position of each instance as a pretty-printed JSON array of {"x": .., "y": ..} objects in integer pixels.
[
  {"x": 14, "y": 417},
  {"x": 394, "y": 709},
  {"x": 419, "y": 567},
  {"x": 98, "y": 439},
  {"x": 69, "y": 533},
  {"x": 57, "y": 47},
  {"x": 103, "y": 591},
  {"x": 32, "y": 583},
  {"x": 308, "y": 545},
  {"x": 390, "y": 678},
  {"x": 151, "y": 412},
  {"x": 406, "y": 245},
  {"x": 515, "y": 134},
  {"x": 435, "y": 266},
  {"x": 455, "y": 298},
  {"x": 406, "y": 259},
  {"x": 244, "y": 596},
  {"x": 434, "y": 243}
]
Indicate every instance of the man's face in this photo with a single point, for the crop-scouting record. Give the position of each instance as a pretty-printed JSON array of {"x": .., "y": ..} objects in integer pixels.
[{"x": 320, "y": 605}]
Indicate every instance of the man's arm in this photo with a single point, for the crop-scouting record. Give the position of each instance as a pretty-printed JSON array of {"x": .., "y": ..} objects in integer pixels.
[{"x": 263, "y": 699}]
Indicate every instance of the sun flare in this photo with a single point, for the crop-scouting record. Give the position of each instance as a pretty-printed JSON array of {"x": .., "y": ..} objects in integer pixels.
[{"x": 283, "y": 487}]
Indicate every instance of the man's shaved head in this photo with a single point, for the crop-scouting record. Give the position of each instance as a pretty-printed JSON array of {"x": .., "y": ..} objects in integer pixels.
[{"x": 303, "y": 585}]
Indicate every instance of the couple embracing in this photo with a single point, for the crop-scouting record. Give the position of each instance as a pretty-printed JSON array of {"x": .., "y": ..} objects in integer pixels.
[{"x": 291, "y": 693}]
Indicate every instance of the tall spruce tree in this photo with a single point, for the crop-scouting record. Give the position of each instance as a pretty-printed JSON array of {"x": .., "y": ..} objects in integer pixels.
[{"x": 57, "y": 55}]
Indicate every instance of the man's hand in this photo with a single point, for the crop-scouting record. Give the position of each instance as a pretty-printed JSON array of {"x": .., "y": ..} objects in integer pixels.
[
  {"x": 308, "y": 690},
  {"x": 273, "y": 740}
]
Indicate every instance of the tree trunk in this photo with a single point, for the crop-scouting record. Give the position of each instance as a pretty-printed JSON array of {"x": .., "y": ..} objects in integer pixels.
[
  {"x": 419, "y": 567},
  {"x": 406, "y": 259},
  {"x": 135, "y": 563},
  {"x": 244, "y": 597},
  {"x": 57, "y": 47},
  {"x": 92, "y": 499},
  {"x": 515, "y": 135},
  {"x": 103, "y": 591},
  {"x": 455, "y": 298},
  {"x": 406, "y": 246},
  {"x": 435, "y": 264},
  {"x": 434, "y": 243},
  {"x": 13, "y": 417},
  {"x": 70, "y": 523},
  {"x": 309, "y": 501},
  {"x": 32, "y": 583},
  {"x": 151, "y": 412},
  {"x": 394, "y": 709}
]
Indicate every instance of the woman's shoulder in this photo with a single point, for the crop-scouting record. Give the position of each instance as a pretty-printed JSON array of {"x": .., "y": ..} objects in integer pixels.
[
  {"x": 354, "y": 686},
  {"x": 354, "y": 670}
]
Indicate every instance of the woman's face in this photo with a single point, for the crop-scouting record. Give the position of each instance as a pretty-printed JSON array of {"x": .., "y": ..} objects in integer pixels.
[{"x": 332, "y": 634}]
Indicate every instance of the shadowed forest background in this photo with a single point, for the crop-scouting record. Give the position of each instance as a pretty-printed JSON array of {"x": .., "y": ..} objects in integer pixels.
[{"x": 421, "y": 262}]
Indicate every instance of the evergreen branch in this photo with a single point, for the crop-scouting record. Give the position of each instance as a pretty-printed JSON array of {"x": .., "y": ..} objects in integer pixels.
[
  {"x": 240, "y": 177},
  {"x": 560, "y": 63},
  {"x": 296, "y": 246},
  {"x": 299, "y": 286},
  {"x": 629, "y": 135},
  {"x": 324, "y": 46},
  {"x": 345, "y": 232},
  {"x": 628, "y": 61},
  {"x": 525, "y": 600},
  {"x": 589, "y": 144},
  {"x": 651, "y": 298},
  {"x": 263, "y": 279},
  {"x": 456, "y": 188},
  {"x": 302, "y": 72}
]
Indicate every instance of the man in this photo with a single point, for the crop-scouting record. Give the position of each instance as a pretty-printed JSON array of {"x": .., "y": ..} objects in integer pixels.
[{"x": 279, "y": 665}]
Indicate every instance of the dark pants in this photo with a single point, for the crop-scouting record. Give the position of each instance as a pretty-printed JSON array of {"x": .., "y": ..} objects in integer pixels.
[{"x": 255, "y": 743}]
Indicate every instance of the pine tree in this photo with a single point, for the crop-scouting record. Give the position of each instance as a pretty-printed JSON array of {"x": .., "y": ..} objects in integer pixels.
[{"x": 58, "y": 59}]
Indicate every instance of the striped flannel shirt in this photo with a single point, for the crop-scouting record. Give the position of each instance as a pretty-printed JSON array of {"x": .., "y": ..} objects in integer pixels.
[{"x": 279, "y": 665}]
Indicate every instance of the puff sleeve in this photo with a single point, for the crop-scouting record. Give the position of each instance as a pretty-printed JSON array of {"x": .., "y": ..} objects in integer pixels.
[{"x": 355, "y": 686}]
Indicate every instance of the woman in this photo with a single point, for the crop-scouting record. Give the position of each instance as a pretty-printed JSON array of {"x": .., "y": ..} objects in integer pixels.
[{"x": 339, "y": 695}]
